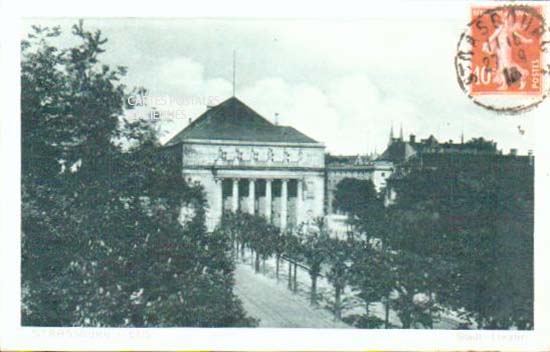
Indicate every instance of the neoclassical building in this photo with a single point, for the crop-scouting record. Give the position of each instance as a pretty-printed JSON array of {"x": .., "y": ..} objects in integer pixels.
[{"x": 247, "y": 163}]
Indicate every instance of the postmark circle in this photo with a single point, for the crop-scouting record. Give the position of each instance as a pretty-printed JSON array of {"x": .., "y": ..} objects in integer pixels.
[{"x": 503, "y": 58}]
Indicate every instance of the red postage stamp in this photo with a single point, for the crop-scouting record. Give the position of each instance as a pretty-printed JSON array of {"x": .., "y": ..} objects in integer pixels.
[
  {"x": 501, "y": 59},
  {"x": 507, "y": 57}
]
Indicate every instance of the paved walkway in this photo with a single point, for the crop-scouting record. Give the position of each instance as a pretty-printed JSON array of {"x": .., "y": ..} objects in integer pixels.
[{"x": 276, "y": 307}]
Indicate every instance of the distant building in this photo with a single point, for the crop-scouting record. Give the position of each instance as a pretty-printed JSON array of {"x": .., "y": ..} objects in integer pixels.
[
  {"x": 400, "y": 150},
  {"x": 429, "y": 153}
]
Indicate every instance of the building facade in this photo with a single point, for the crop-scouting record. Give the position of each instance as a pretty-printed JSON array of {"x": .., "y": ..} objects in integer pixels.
[{"x": 246, "y": 163}]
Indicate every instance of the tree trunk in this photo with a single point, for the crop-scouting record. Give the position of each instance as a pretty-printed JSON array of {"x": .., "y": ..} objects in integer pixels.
[
  {"x": 257, "y": 263},
  {"x": 430, "y": 312},
  {"x": 406, "y": 321},
  {"x": 289, "y": 275},
  {"x": 295, "y": 278},
  {"x": 337, "y": 302},
  {"x": 313, "y": 298},
  {"x": 387, "y": 315},
  {"x": 277, "y": 261},
  {"x": 242, "y": 250}
]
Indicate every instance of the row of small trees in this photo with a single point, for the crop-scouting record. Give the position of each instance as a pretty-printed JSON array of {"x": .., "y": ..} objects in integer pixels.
[
  {"x": 342, "y": 262},
  {"x": 458, "y": 240}
]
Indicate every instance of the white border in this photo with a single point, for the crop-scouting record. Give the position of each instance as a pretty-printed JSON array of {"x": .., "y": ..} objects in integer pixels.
[{"x": 13, "y": 337}]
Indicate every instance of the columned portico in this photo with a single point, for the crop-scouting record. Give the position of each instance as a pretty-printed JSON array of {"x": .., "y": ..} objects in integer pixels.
[{"x": 280, "y": 200}]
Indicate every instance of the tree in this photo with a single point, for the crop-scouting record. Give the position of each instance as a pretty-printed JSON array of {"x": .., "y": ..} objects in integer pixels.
[
  {"x": 230, "y": 226},
  {"x": 365, "y": 210},
  {"x": 413, "y": 303},
  {"x": 263, "y": 238},
  {"x": 353, "y": 196},
  {"x": 338, "y": 273},
  {"x": 465, "y": 225},
  {"x": 280, "y": 246},
  {"x": 293, "y": 245},
  {"x": 101, "y": 240},
  {"x": 315, "y": 248},
  {"x": 371, "y": 274}
]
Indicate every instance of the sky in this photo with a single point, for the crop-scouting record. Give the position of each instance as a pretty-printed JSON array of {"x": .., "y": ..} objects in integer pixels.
[{"x": 343, "y": 82}]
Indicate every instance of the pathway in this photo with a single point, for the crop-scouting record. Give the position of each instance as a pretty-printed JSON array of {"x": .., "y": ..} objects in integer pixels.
[{"x": 276, "y": 307}]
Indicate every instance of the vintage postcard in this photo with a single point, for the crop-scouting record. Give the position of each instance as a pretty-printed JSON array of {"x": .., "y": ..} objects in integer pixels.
[{"x": 297, "y": 178}]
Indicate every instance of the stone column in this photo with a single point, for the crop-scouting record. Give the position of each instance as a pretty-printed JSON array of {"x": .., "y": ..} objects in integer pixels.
[
  {"x": 299, "y": 198},
  {"x": 268, "y": 199},
  {"x": 235, "y": 197},
  {"x": 284, "y": 200},
  {"x": 251, "y": 196},
  {"x": 219, "y": 197}
]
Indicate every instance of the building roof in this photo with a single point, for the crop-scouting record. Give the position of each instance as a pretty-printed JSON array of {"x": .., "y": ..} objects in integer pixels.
[
  {"x": 235, "y": 121},
  {"x": 397, "y": 152}
]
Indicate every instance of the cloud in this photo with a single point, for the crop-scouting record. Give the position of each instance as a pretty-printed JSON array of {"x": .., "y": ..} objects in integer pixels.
[
  {"x": 181, "y": 92},
  {"x": 340, "y": 81},
  {"x": 350, "y": 115},
  {"x": 182, "y": 76}
]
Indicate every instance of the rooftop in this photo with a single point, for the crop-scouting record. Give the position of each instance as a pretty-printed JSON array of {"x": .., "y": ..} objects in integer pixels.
[
  {"x": 400, "y": 150},
  {"x": 233, "y": 120}
]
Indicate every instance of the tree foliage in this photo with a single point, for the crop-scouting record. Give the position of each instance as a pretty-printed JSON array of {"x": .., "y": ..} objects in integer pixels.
[
  {"x": 372, "y": 274},
  {"x": 101, "y": 240},
  {"x": 466, "y": 224},
  {"x": 353, "y": 196},
  {"x": 459, "y": 239},
  {"x": 315, "y": 250},
  {"x": 338, "y": 274},
  {"x": 254, "y": 232}
]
